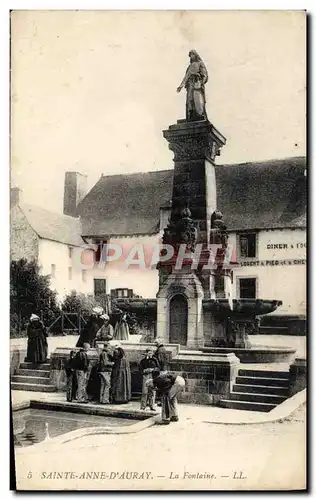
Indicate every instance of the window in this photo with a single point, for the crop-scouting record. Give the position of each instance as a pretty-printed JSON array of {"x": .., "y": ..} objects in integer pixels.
[
  {"x": 84, "y": 275},
  {"x": 53, "y": 270},
  {"x": 101, "y": 252},
  {"x": 70, "y": 252},
  {"x": 125, "y": 292},
  {"x": 70, "y": 273},
  {"x": 119, "y": 293},
  {"x": 99, "y": 287},
  {"x": 247, "y": 245},
  {"x": 247, "y": 288}
]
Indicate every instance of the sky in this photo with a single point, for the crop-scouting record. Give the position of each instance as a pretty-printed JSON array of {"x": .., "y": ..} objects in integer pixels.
[{"x": 92, "y": 91}]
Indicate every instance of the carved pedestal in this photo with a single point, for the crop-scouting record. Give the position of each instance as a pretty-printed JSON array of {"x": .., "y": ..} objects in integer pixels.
[{"x": 181, "y": 291}]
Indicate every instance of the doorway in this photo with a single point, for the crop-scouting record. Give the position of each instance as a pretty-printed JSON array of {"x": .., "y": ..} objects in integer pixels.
[{"x": 178, "y": 321}]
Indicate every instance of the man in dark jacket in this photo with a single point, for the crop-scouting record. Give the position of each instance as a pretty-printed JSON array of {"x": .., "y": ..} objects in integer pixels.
[
  {"x": 162, "y": 358},
  {"x": 161, "y": 355},
  {"x": 82, "y": 373},
  {"x": 170, "y": 386},
  {"x": 146, "y": 367}
]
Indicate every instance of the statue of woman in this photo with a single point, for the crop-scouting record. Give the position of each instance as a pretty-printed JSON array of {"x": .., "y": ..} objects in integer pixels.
[{"x": 194, "y": 81}]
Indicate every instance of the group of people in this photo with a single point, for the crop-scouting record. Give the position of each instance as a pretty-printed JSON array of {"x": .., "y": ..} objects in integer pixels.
[
  {"x": 110, "y": 380},
  {"x": 99, "y": 328},
  {"x": 112, "y": 372}
]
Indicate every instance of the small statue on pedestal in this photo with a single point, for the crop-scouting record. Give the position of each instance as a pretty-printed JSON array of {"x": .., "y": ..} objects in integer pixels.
[
  {"x": 182, "y": 232},
  {"x": 218, "y": 233},
  {"x": 195, "y": 78}
]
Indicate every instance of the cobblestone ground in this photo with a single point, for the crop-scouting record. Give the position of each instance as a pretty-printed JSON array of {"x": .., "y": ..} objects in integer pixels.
[{"x": 187, "y": 455}]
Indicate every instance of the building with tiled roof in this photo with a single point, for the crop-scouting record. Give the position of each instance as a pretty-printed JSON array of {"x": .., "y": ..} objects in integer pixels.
[{"x": 263, "y": 203}]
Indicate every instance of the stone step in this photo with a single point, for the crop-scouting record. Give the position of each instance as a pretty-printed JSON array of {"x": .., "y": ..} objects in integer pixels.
[
  {"x": 279, "y": 382},
  {"x": 246, "y": 405},
  {"x": 30, "y": 380},
  {"x": 32, "y": 373},
  {"x": 31, "y": 366},
  {"x": 273, "y": 330},
  {"x": 17, "y": 386},
  {"x": 263, "y": 373},
  {"x": 257, "y": 398},
  {"x": 261, "y": 389}
]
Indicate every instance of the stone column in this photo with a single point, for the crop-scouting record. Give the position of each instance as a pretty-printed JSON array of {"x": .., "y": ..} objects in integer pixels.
[{"x": 195, "y": 146}]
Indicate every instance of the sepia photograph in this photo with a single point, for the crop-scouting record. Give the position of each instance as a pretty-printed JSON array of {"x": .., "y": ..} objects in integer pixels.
[{"x": 158, "y": 246}]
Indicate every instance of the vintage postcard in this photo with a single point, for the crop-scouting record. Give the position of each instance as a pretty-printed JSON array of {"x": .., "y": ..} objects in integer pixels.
[{"x": 158, "y": 250}]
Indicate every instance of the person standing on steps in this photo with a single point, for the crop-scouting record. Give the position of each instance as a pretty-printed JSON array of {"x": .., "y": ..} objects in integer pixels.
[
  {"x": 37, "y": 346},
  {"x": 121, "y": 330},
  {"x": 106, "y": 332},
  {"x": 89, "y": 332},
  {"x": 146, "y": 367}
]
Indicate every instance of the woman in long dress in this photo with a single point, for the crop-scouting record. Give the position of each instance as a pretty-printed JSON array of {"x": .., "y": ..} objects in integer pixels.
[
  {"x": 121, "y": 330},
  {"x": 36, "y": 341},
  {"x": 121, "y": 387}
]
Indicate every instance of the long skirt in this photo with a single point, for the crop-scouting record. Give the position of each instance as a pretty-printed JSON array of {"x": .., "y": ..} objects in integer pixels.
[
  {"x": 121, "y": 382},
  {"x": 37, "y": 350},
  {"x": 121, "y": 331},
  {"x": 81, "y": 395},
  {"x": 195, "y": 105},
  {"x": 105, "y": 378}
]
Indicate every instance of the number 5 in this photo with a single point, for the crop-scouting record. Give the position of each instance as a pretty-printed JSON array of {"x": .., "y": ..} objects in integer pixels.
[{"x": 29, "y": 475}]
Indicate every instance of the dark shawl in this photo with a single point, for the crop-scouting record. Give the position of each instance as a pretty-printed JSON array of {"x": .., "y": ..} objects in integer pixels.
[
  {"x": 36, "y": 343},
  {"x": 120, "y": 378}
]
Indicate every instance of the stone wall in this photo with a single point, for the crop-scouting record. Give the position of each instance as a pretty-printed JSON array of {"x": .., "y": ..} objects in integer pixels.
[
  {"x": 298, "y": 376},
  {"x": 208, "y": 377},
  {"x": 23, "y": 240}
]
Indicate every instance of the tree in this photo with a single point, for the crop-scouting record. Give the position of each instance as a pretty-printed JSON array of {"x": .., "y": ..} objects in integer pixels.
[
  {"x": 30, "y": 293},
  {"x": 79, "y": 303}
]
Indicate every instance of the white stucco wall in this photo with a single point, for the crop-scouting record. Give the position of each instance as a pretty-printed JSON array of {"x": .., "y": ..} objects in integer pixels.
[
  {"x": 280, "y": 272},
  {"x": 141, "y": 277},
  {"x": 52, "y": 252}
]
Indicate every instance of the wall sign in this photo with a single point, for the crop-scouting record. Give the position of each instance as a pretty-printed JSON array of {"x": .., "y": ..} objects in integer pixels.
[
  {"x": 287, "y": 262},
  {"x": 282, "y": 246}
]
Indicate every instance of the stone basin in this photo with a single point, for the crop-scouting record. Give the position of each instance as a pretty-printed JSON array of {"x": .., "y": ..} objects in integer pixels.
[
  {"x": 258, "y": 354},
  {"x": 242, "y": 307}
]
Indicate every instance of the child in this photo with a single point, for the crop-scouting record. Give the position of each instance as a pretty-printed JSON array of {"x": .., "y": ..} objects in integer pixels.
[
  {"x": 146, "y": 367},
  {"x": 71, "y": 377}
]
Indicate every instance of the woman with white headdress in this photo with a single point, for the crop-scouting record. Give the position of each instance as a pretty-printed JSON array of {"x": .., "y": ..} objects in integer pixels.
[
  {"x": 106, "y": 332},
  {"x": 89, "y": 332},
  {"x": 36, "y": 341}
]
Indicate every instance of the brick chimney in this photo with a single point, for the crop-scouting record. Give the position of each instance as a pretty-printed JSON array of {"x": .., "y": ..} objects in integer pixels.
[
  {"x": 75, "y": 190},
  {"x": 15, "y": 196}
]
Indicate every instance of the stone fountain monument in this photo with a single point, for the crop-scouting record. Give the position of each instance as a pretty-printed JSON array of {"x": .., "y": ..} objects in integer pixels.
[
  {"x": 194, "y": 304},
  {"x": 195, "y": 308}
]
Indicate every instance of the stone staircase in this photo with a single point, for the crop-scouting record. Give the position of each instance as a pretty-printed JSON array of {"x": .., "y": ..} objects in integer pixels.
[
  {"x": 258, "y": 390},
  {"x": 31, "y": 377}
]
